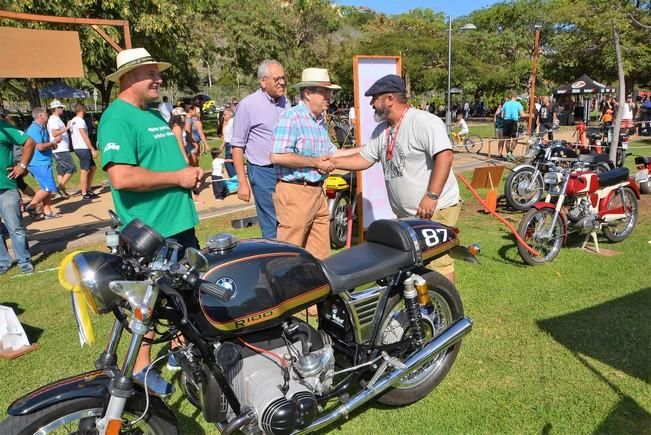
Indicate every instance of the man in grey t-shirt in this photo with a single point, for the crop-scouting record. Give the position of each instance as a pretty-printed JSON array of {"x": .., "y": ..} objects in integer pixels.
[{"x": 416, "y": 156}]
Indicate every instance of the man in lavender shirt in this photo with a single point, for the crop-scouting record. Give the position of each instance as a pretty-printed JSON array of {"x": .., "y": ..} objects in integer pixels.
[{"x": 253, "y": 125}]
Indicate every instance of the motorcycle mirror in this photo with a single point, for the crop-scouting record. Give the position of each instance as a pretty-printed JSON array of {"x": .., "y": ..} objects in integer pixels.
[
  {"x": 196, "y": 259},
  {"x": 115, "y": 220}
]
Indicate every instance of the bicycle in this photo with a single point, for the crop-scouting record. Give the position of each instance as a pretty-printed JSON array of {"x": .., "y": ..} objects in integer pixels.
[{"x": 472, "y": 143}]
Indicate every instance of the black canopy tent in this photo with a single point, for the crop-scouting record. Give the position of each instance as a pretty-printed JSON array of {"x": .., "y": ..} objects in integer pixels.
[{"x": 582, "y": 87}]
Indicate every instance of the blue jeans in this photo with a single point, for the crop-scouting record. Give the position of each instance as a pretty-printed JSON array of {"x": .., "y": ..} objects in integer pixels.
[
  {"x": 228, "y": 155},
  {"x": 13, "y": 220},
  {"x": 263, "y": 183}
]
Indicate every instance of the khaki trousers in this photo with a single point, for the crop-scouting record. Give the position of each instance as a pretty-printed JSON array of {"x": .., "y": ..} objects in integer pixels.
[
  {"x": 303, "y": 217},
  {"x": 447, "y": 216}
]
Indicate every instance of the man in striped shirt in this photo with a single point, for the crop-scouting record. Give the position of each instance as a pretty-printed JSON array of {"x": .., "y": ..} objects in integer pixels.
[{"x": 301, "y": 147}]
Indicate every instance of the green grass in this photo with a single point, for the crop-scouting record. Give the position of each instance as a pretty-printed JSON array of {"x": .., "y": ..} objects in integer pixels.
[{"x": 563, "y": 348}]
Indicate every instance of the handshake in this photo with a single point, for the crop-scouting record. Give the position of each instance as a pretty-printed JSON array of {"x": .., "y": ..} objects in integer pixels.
[{"x": 325, "y": 164}]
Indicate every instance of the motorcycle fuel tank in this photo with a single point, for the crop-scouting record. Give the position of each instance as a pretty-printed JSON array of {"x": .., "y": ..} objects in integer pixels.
[{"x": 270, "y": 280}]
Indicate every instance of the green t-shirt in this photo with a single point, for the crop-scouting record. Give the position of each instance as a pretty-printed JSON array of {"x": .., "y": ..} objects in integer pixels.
[
  {"x": 9, "y": 136},
  {"x": 133, "y": 136}
]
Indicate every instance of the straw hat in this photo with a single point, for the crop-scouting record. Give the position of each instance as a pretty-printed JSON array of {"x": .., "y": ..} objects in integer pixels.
[
  {"x": 178, "y": 111},
  {"x": 133, "y": 58},
  {"x": 56, "y": 103},
  {"x": 315, "y": 78}
]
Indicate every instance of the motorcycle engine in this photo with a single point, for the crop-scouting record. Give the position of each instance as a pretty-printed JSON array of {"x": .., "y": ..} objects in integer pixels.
[
  {"x": 282, "y": 398},
  {"x": 581, "y": 216}
]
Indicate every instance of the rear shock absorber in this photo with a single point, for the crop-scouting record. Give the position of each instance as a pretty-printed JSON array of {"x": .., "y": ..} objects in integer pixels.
[{"x": 412, "y": 308}]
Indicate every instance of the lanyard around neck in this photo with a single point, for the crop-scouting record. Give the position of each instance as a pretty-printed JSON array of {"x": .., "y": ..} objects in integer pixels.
[{"x": 394, "y": 136}]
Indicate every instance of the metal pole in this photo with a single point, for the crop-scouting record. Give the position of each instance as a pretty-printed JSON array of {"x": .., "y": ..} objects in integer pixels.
[
  {"x": 448, "y": 113},
  {"x": 532, "y": 93}
]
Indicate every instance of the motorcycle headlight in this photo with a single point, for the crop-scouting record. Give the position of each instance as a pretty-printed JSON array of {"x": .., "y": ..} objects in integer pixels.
[
  {"x": 552, "y": 178},
  {"x": 90, "y": 273},
  {"x": 533, "y": 151}
]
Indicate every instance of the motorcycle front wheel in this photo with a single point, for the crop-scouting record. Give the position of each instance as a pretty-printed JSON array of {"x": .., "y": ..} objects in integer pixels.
[
  {"x": 537, "y": 231},
  {"x": 447, "y": 308},
  {"x": 78, "y": 416},
  {"x": 616, "y": 231},
  {"x": 522, "y": 189}
]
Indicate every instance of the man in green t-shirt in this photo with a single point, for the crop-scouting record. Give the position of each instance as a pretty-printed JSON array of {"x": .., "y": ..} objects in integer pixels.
[
  {"x": 10, "y": 213},
  {"x": 149, "y": 177}
]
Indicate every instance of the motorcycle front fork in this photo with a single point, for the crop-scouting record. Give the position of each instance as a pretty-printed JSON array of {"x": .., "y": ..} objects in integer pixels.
[{"x": 121, "y": 386}]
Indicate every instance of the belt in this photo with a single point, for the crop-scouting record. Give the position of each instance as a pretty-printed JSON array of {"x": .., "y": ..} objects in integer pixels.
[
  {"x": 261, "y": 166},
  {"x": 304, "y": 183}
]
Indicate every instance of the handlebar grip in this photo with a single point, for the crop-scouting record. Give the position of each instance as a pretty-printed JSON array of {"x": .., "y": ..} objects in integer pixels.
[{"x": 220, "y": 292}]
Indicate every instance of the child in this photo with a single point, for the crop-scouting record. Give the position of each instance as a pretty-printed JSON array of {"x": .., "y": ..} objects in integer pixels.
[
  {"x": 218, "y": 174},
  {"x": 579, "y": 133},
  {"x": 463, "y": 127}
]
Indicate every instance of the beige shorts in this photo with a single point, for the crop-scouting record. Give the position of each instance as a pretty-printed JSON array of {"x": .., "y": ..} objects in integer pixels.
[{"x": 447, "y": 216}]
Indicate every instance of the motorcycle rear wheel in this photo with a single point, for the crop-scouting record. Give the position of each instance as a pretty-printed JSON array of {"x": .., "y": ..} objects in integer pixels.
[
  {"x": 77, "y": 416},
  {"x": 522, "y": 190},
  {"x": 448, "y": 308},
  {"x": 532, "y": 226},
  {"x": 619, "y": 230}
]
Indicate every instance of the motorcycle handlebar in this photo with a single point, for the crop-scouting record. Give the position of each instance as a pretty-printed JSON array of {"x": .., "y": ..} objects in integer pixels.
[{"x": 220, "y": 292}]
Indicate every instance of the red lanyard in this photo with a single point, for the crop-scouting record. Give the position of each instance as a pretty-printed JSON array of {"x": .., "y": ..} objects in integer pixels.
[{"x": 392, "y": 144}]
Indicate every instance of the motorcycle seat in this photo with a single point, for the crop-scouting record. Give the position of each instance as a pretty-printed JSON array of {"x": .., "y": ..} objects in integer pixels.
[
  {"x": 594, "y": 158},
  {"x": 362, "y": 264},
  {"x": 641, "y": 160},
  {"x": 612, "y": 177}
]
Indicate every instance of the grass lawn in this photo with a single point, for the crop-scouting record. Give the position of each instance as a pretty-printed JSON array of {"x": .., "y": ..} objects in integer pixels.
[{"x": 562, "y": 348}]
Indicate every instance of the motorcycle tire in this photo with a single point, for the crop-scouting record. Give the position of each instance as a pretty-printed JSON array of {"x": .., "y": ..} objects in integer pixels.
[
  {"x": 601, "y": 168},
  {"x": 645, "y": 187},
  {"x": 630, "y": 208},
  {"x": 83, "y": 412},
  {"x": 339, "y": 221},
  {"x": 473, "y": 143},
  {"x": 530, "y": 226},
  {"x": 514, "y": 197},
  {"x": 448, "y": 308}
]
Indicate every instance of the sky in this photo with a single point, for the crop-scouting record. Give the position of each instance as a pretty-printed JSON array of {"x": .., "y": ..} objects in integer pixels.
[{"x": 455, "y": 8}]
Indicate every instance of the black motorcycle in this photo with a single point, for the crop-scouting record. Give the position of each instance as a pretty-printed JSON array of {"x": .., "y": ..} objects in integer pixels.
[
  {"x": 388, "y": 328},
  {"x": 524, "y": 186}
]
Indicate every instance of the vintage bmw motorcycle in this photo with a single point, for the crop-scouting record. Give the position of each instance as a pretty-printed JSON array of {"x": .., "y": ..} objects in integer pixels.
[
  {"x": 387, "y": 328},
  {"x": 585, "y": 201},
  {"x": 524, "y": 186}
]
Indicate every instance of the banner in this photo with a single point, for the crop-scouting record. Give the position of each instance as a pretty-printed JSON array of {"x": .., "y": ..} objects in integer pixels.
[{"x": 374, "y": 199}]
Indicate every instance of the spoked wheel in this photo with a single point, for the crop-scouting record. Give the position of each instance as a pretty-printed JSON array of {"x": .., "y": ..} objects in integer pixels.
[
  {"x": 78, "y": 417},
  {"x": 446, "y": 309},
  {"x": 339, "y": 221},
  {"x": 626, "y": 201},
  {"x": 523, "y": 188},
  {"x": 473, "y": 143},
  {"x": 537, "y": 231}
]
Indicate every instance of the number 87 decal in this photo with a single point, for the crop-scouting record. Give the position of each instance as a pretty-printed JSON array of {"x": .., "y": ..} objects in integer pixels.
[{"x": 434, "y": 236}]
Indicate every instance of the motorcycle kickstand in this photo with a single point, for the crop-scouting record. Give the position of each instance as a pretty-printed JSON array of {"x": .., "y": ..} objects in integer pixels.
[{"x": 592, "y": 234}]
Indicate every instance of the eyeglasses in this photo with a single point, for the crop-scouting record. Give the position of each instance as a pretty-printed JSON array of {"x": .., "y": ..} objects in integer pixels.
[{"x": 276, "y": 80}]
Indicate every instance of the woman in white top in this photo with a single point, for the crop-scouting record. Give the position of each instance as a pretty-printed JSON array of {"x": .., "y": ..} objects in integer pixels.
[{"x": 227, "y": 133}]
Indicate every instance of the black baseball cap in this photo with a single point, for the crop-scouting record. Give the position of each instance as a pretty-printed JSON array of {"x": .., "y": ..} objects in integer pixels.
[{"x": 387, "y": 84}]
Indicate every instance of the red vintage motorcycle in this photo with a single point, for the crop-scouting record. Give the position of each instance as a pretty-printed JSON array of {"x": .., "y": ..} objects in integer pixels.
[{"x": 585, "y": 202}]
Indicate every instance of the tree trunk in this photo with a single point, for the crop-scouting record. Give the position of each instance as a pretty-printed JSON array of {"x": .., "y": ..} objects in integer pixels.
[
  {"x": 620, "y": 102},
  {"x": 32, "y": 93}
]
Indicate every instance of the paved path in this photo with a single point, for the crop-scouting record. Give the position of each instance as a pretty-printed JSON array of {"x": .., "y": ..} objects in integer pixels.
[{"x": 85, "y": 222}]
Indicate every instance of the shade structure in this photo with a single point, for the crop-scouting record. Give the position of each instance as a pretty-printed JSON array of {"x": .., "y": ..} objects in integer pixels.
[
  {"x": 61, "y": 90},
  {"x": 584, "y": 85}
]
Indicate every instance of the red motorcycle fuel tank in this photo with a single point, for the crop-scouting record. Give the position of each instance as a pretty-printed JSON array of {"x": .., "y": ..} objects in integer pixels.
[
  {"x": 271, "y": 280},
  {"x": 582, "y": 183}
]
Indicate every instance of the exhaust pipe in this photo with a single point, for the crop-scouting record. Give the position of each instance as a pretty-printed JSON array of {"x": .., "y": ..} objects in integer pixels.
[{"x": 448, "y": 338}]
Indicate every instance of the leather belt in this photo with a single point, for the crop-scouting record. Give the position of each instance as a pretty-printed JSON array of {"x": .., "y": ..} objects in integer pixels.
[
  {"x": 262, "y": 166},
  {"x": 304, "y": 183}
]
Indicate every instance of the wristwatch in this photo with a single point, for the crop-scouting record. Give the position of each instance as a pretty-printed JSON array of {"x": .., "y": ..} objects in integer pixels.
[
  {"x": 22, "y": 165},
  {"x": 432, "y": 196}
]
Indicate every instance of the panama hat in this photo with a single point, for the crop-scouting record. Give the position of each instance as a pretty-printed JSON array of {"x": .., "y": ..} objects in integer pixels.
[
  {"x": 315, "y": 78},
  {"x": 178, "y": 111},
  {"x": 56, "y": 103},
  {"x": 133, "y": 58}
]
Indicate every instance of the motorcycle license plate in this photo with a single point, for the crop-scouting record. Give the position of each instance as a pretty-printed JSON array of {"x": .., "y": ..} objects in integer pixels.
[{"x": 642, "y": 175}]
